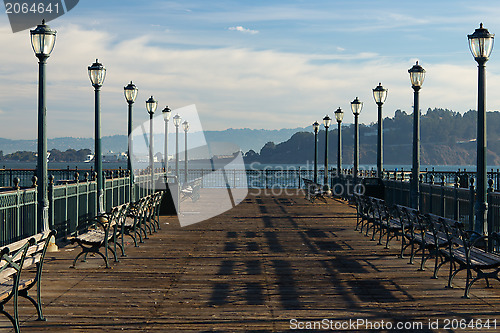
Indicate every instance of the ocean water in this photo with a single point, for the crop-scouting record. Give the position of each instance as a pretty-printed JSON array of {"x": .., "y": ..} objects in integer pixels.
[
  {"x": 252, "y": 166},
  {"x": 310, "y": 166},
  {"x": 61, "y": 165}
]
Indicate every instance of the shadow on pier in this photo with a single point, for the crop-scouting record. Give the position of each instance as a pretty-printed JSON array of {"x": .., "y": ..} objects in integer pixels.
[{"x": 270, "y": 260}]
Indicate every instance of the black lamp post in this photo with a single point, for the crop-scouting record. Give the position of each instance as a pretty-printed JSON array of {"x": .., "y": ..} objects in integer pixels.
[
  {"x": 417, "y": 75},
  {"x": 97, "y": 73},
  {"x": 166, "y": 117},
  {"x": 185, "y": 127},
  {"x": 380, "y": 95},
  {"x": 151, "y": 105},
  {"x": 481, "y": 45},
  {"x": 326, "y": 122},
  {"x": 42, "y": 40},
  {"x": 339, "y": 115},
  {"x": 356, "y": 107},
  {"x": 177, "y": 122},
  {"x": 130, "y": 92},
  {"x": 316, "y": 129}
]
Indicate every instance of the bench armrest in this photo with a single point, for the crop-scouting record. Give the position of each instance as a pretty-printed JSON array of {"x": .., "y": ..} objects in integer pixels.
[{"x": 475, "y": 237}]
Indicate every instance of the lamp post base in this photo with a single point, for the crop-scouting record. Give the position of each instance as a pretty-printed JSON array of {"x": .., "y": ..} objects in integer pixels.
[{"x": 52, "y": 247}]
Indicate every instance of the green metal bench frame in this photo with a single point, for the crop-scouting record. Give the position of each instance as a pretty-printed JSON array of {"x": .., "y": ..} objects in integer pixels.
[{"x": 14, "y": 258}]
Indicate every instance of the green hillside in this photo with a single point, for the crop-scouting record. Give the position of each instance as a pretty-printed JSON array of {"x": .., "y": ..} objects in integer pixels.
[{"x": 447, "y": 138}]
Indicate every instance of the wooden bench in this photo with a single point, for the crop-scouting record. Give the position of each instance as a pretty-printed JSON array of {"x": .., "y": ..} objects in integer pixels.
[
  {"x": 388, "y": 222},
  {"x": 191, "y": 190},
  {"x": 374, "y": 216},
  {"x": 15, "y": 258},
  {"x": 466, "y": 251},
  {"x": 102, "y": 232},
  {"x": 313, "y": 190},
  {"x": 400, "y": 221},
  {"x": 364, "y": 212},
  {"x": 132, "y": 224},
  {"x": 154, "y": 207},
  {"x": 148, "y": 220},
  {"x": 408, "y": 221},
  {"x": 432, "y": 236},
  {"x": 436, "y": 240},
  {"x": 422, "y": 236}
]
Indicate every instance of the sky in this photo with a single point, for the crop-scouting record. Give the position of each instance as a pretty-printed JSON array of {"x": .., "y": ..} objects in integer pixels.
[{"x": 246, "y": 64}]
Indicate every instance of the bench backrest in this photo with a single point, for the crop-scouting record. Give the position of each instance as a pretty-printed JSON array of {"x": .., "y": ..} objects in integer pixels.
[
  {"x": 412, "y": 219},
  {"x": 451, "y": 228},
  {"x": 12, "y": 261},
  {"x": 152, "y": 204},
  {"x": 196, "y": 183},
  {"x": 121, "y": 214},
  {"x": 380, "y": 209},
  {"x": 363, "y": 205},
  {"x": 23, "y": 254}
]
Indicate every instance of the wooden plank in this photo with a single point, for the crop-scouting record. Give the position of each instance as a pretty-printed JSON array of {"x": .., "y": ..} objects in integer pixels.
[{"x": 254, "y": 268}]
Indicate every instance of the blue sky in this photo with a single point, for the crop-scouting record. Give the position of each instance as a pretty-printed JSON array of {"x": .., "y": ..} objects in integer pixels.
[{"x": 256, "y": 64}]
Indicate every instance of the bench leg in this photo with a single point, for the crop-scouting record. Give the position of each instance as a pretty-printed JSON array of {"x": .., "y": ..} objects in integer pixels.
[
  {"x": 437, "y": 265},
  {"x": 412, "y": 254},
  {"x": 388, "y": 239},
  {"x": 381, "y": 235},
  {"x": 452, "y": 276},
  {"x": 403, "y": 246},
  {"x": 424, "y": 259},
  {"x": 37, "y": 305},
  {"x": 86, "y": 251},
  {"x": 134, "y": 239},
  {"x": 374, "y": 232},
  {"x": 76, "y": 258},
  {"x": 14, "y": 320},
  {"x": 480, "y": 275},
  {"x": 105, "y": 259},
  {"x": 112, "y": 252},
  {"x": 467, "y": 284}
]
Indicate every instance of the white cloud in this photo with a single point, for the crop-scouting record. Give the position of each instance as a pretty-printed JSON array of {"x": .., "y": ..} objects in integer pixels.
[
  {"x": 244, "y": 30},
  {"x": 231, "y": 87}
]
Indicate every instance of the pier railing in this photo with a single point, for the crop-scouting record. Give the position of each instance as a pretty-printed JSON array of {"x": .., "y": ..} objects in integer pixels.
[
  {"x": 71, "y": 203},
  {"x": 73, "y": 196},
  {"x": 16, "y": 207},
  {"x": 443, "y": 193}
]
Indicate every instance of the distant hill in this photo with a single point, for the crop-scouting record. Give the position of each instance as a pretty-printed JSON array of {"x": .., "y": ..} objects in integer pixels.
[
  {"x": 447, "y": 138},
  {"x": 116, "y": 143},
  {"x": 246, "y": 139}
]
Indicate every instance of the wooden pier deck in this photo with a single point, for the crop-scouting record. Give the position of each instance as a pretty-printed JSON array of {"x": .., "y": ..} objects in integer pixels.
[{"x": 256, "y": 268}]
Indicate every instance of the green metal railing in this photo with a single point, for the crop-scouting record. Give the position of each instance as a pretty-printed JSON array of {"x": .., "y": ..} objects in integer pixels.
[
  {"x": 71, "y": 204},
  {"x": 17, "y": 207}
]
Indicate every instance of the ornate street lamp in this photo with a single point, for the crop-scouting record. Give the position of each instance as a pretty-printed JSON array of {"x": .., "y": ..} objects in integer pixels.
[
  {"x": 481, "y": 45},
  {"x": 417, "y": 75},
  {"x": 42, "y": 40},
  {"x": 177, "y": 122},
  {"x": 380, "y": 95},
  {"x": 356, "y": 107},
  {"x": 326, "y": 122},
  {"x": 166, "y": 117},
  {"x": 151, "y": 105},
  {"x": 97, "y": 74},
  {"x": 130, "y": 92},
  {"x": 185, "y": 127},
  {"x": 339, "y": 115},
  {"x": 315, "y": 129}
]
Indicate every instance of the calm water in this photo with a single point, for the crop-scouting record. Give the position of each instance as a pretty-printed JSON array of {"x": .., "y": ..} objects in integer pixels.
[
  {"x": 254, "y": 166},
  {"x": 258, "y": 166},
  {"x": 60, "y": 165}
]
